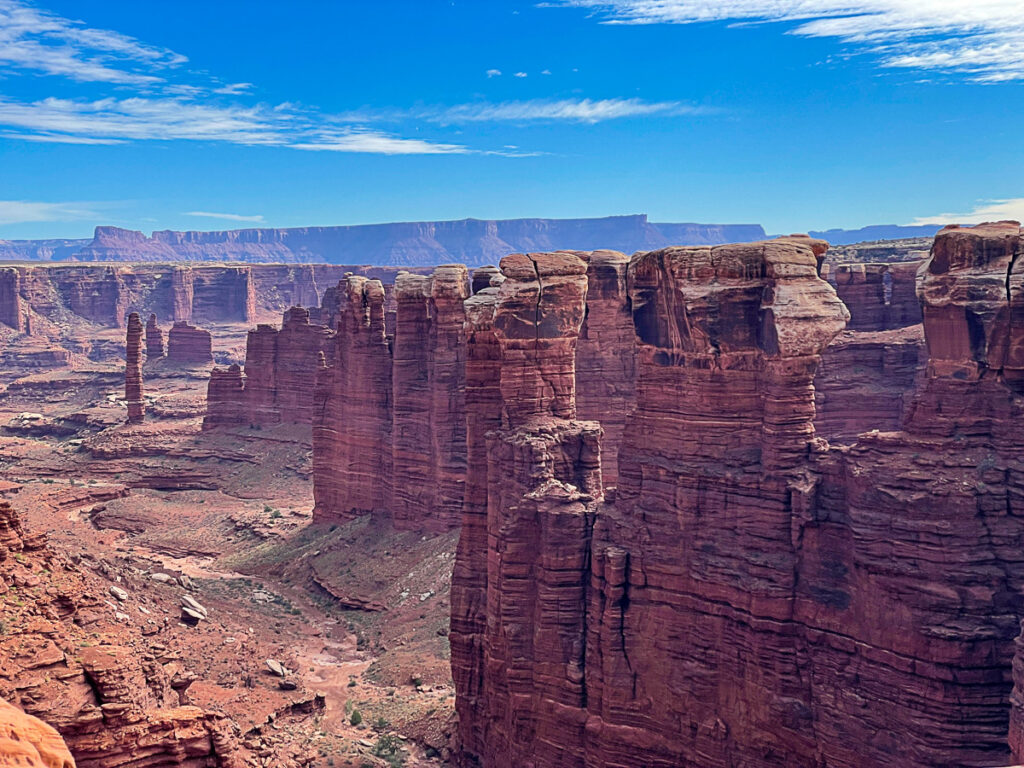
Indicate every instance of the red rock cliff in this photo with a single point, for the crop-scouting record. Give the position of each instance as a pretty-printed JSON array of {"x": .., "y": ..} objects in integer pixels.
[
  {"x": 11, "y": 313},
  {"x": 352, "y": 422},
  {"x": 429, "y": 411},
  {"x": 154, "y": 339},
  {"x": 606, "y": 354},
  {"x": 189, "y": 345}
]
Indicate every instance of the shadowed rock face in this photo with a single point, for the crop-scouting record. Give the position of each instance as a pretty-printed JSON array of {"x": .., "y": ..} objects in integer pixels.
[{"x": 880, "y": 297}]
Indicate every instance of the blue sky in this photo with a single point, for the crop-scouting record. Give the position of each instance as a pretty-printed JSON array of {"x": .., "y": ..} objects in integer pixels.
[{"x": 795, "y": 114}]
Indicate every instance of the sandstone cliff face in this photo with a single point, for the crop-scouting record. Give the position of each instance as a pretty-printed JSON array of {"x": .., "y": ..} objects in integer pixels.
[
  {"x": 225, "y": 399},
  {"x": 866, "y": 381},
  {"x": 28, "y": 742},
  {"x": 518, "y": 607},
  {"x": 605, "y": 355},
  {"x": 352, "y": 427},
  {"x": 189, "y": 345},
  {"x": 133, "y": 370},
  {"x": 279, "y": 378},
  {"x": 154, "y": 339},
  {"x": 750, "y": 596},
  {"x": 429, "y": 427},
  {"x": 880, "y": 297},
  {"x": 394, "y": 440},
  {"x": 11, "y": 313}
]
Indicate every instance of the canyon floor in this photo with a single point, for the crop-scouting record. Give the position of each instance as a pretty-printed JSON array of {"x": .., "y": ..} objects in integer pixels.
[{"x": 356, "y": 613}]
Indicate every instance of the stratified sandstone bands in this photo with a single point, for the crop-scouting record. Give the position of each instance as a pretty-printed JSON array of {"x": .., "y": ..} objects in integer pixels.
[
  {"x": 880, "y": 296},
  {"x": 518, "y": 606},
  {"x": 469, "y": 578},
  {"x": 605, "y": 355},
  {"x": 866, "y": 381},
  {"x": 28, "y": 742},
  {"x": 429, "y": 426},
  {"x": 225, "y": 399},
  {"x": 390, "y": 420},
  {"x": 154, "y": 339},
  {"x": 11, "y": 312},
  {"x": 133, "y": 370},
  {"x": 202, "y": 294},
  {"x": 279, "y": 378},
  {"x": 751, "y": 597},
  {"x": 189, "y": 345},
  {"x": 352, "y": 426}
]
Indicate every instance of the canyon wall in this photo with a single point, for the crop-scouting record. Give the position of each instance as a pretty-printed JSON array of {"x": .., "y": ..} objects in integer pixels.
[
  {"x": 28, "y": 742},
  {"x": 868, "y": 374},
  {"x": 390, "y": 421},
  {"x": 68, "y": 294},
  {"x": 279, "y": 378},
  {"x": 750, "y": 596}
]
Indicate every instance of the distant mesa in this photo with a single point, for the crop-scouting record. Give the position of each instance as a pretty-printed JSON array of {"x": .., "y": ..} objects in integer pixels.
[{"x": 469, "y": 241}]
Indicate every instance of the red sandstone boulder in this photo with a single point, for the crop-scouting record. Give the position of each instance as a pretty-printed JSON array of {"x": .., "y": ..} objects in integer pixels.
[{"x": 28, "y": 742}]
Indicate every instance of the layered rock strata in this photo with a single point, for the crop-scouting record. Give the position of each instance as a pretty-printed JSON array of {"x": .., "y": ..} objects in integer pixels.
[
  {"x": 866, "y": 381},
  {"x": 189, "y": 345},
  {"x": 429, "y": 369},
  {"x": 279, "y": 378},
  {"x": 352, "y": 427},
  {"x": 753, "y": 597},
  {"x": 518, "y": 599},
  {"x": 133, "y": 370},
  {"x": 880, "y": 297},
  {"x": 154, "y": 339},
  {"x": 11, "y": 312},
  {"x": 605, "y": 355}
]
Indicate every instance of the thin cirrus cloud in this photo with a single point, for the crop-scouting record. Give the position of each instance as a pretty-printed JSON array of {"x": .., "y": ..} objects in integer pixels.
[
  {"x": 980, "y": 39},
  {"x": 28, "y": 211},
  {"x": 225, "y": 216},
  {"x": 544, "y": 110},
  {"x": 44, "y": 42},
  {"x": 984, "y": 210}
]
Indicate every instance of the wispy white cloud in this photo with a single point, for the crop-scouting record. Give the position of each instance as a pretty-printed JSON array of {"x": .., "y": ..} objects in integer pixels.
[
  {"x": 494, "y": 73},
  {"x": 139, "y": 118},
  {"x": 233, "y": 89},
  {"x": 379, "y": 143},
  {"x": 520, "y": 74},
  {"x": 27, "y": 211},
  {"x": 226, "y": 216},
  {"x": 540, "y": 110},
  {"x": 983, "y": 210},
  {"x": 36, "y": 40},
  {"x": 982, "y": 39}
]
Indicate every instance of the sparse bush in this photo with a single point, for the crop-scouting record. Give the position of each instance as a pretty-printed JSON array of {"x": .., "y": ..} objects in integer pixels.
[{"x": 355, "y": 718}]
